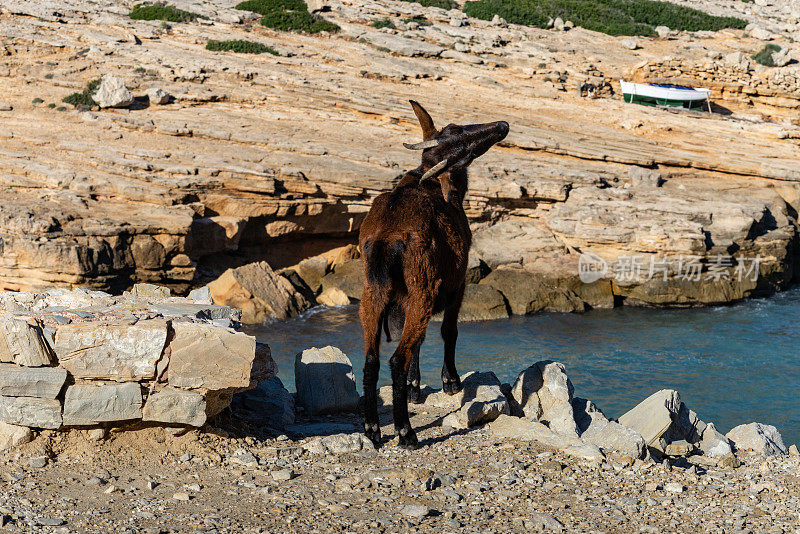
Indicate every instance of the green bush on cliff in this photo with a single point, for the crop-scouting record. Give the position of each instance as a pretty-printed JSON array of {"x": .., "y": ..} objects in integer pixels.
[
  {"x": 161, "y": 11},
  {"x": 287, "y": 15},
  {"x": 382, "y": 23},
  {"x": 241, "y": 47},
  {"x": 764, "y": 56},
  {"x": 444, "y": 4},
  {"x": 614, "y": 17},
  {"x": 84, "y": 98}
]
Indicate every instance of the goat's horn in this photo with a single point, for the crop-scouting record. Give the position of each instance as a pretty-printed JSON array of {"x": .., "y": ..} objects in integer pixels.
[
  {"x": 422, "y": 145},
  {"x": 433, "y": 170}
]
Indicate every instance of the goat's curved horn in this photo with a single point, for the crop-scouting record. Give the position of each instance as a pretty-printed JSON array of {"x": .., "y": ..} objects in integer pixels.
[
  {"x": 422, "y": 145},
  {"x": 433, "y": 170}
]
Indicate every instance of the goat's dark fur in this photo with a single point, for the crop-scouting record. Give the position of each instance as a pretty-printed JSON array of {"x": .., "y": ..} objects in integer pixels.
[{"x": 415, "y": 242}]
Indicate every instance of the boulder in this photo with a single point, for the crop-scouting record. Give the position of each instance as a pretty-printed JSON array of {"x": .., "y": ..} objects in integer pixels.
[
  {"x": 333, "y": 296},
  {"x": 268, "y": 404},
  {"x": 12, "y": 436},
  {"x": 112, "y": 93},
  {"x": 348, "y": 277},
  {"x": 201, "y": 295},
  {"x": 630, "y": 44},
  {"x": 119, "y": 352},
  {"x": 41, "y": 382},
  {"x": 213, "y": 358},
  {"x": 652, "y": 418},
  {"x": 526, "y": 430},
  {"x": 482, "y": 303},
  {"x": 175, "y": 406},
  {"x": 259, "y": 292},
  {"x": 644, "y": 178},
  {"x": 318, "y": 6},
  {"x": 527, "y": 292},
  {"x": 31, "y": 411},
  {"x": 311, "y": 270},
  {"x": 325, "y": 381},
  {"x": 757, "y": 437},
  {"x": 663, "y": 31},
  {"x": 158, "y": 96},
  {"x": 91, "y": 404},
  {"x": 340, "y": 444},
  {"x": 610, "y": 436},
  {"x": 22, "y": 342},
  {"x": 481, "y": 399},
  {"x": 544, "y": 393},
  {"x": 150, "y": 291}
]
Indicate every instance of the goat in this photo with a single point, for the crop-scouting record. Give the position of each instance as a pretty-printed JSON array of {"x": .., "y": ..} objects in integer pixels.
[{"x": 415, "y": 241}]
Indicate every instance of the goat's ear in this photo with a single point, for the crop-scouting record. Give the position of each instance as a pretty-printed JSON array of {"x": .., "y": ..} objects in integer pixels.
[{"x": 425, "y": 120}]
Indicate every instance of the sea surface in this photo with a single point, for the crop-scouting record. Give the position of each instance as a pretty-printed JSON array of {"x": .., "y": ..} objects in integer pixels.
[{"x": 731, "y": 364}]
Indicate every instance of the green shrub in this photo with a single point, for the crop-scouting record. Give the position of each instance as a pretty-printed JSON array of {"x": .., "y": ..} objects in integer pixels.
[
  {"x": 382, "y": 23},
  {"x": 37, "y": 100},
  {"x": 444, "y": 4},
  {"x": 161, "y": 11},
  {"x": 241, "y": 47},
  {"x": 614, "y": 17},
  {"x": 764, "y": 56},
  {"x": 84, "y": 98},
  {"x": 419, "y": 19},
  {"x": 287, "y": 15}
]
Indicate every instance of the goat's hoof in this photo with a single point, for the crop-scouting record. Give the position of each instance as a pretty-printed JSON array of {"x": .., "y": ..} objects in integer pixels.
[
  {"x": 408, "y": 441},
  {"x": 373, "y": 433},
  {"x": 414, "y": 395},
  {"x": 452, "y": 387}
]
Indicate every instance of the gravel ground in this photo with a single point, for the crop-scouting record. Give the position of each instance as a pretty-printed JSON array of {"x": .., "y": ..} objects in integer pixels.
[{"x": 148, "y": 480}]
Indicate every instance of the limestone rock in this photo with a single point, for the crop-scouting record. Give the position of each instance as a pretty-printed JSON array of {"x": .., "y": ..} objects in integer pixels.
[
  {"x": 544, "y": 393},
  {"x": 175, "y": 406},
  {"x": 210, "y": 357},
  {"x": 510, "y": 427},
  {"x": 22, "y": 341},
  {"x": 340, "y": 444},
  {"x": 630, "y": 44},
  {"x": 645, "y": 178},
  {"x": 311, "y": 270},
  {"x": 652, "y": 418},
  {"x": 90, "y": 404},
  {"x": 482, "y": 303},
  {"x": 41, "y": 382},
  {"x": 150, "y": 291},
  {"x": 611, "y": 436},
  {"x": 201, "y": 295},
  {"x": 268, "y": 404},
  {"x": 12, "y": 436},
  {"x": 663, "y": 31},
  {"x": 757, "y": 437},
  {"x": 318, "y": 6},
  {"x": 333, "y": 296},
  {"x": 158, "y": 96},
  {"x": 30, "y": 411},
  {"x": 259, "y": 292},
  {"x": 112, "y": 93},
  {"x": 325, "y": 381},
  {"x": 118, "y": 352},
  {"x": 482, "y": 401},
  {"x": 348, "y": 277}
]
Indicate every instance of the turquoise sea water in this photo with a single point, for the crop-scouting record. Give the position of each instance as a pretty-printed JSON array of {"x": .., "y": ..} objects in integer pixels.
[{"x": 733, "y": 364}]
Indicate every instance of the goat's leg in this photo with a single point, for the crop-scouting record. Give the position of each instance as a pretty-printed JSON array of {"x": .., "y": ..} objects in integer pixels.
[
  {"x": 451, "y": 382},
  {"x": 418, "y": 314},
  {"x": 413, "y": 378},
  {"x": 371, "y": 323}
]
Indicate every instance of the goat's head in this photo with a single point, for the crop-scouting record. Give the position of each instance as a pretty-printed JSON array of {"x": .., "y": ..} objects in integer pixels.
[{"x": 453, "y": 147}]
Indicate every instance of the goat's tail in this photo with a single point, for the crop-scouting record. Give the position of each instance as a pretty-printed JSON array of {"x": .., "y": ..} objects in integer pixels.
[{"x": 384, "y": 262}]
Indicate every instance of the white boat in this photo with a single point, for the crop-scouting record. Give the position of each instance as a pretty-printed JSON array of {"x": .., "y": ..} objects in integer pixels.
[{"x": 663, "y": 95}]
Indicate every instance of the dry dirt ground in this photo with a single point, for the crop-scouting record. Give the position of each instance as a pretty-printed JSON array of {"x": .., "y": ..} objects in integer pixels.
[{"x": 218, "y": 480}]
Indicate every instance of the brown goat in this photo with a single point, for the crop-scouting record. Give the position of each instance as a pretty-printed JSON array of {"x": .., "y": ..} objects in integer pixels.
[{"x": 415, "y": 242}]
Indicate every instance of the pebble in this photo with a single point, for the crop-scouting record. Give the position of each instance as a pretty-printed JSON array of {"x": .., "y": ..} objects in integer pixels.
[
  {"x": 282, "y": 475},
  {"x": 415, "y": 511},
  {"x": 94, "y": 481},
  {"x": 674, "y": 487},
  {"x": 184, "y": 497},
  {"x": 37, "y": 462},
  {"x": 50, "y": 521}
]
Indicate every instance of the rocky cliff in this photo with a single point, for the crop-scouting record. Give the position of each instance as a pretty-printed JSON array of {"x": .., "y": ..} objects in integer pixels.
[{"x": 259, "y": 157}]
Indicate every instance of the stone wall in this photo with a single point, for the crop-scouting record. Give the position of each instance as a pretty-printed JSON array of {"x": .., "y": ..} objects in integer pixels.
[
  {"x": 78, "y": 358},
  {"x": 737, "y": 82}
]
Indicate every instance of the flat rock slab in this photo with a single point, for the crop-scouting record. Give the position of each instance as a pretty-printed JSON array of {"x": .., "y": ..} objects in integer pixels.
[
  {"x": 506, "y": 426},
  {"x": 22, "y": 342},
  {"x": 31, "y": 412},
  {"x": 340, "y": 444},
  {"x": 652, "y": 418},
  {"x": 175, "y": 406},
  {"x": 112, "y": 351},
  {"x": 13, "y": 436},
  {"x": 325, "y": 381},
  {"x": 211, "y": 357},
  {"x": 90, "y": 404},
  {"x": 42, "y": 382}
]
